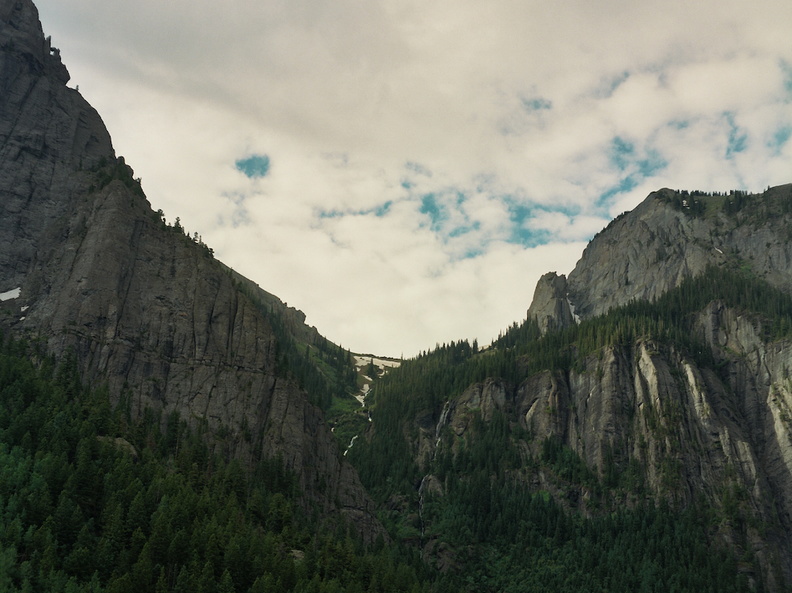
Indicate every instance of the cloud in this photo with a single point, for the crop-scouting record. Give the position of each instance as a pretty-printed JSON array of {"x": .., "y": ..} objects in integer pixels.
[{"x": 404, "y": 172}]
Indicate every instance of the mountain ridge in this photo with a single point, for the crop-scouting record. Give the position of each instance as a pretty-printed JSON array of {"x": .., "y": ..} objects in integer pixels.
[
  {"x": 680, "y": 397},
  {"x": 655, "y": 247}
]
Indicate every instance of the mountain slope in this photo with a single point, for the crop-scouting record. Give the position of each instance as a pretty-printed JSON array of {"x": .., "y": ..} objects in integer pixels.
[
  {"x": 671, "y": 236},
  {"x": 684, "y": 400},
  {"x": 146, "y": 309}
]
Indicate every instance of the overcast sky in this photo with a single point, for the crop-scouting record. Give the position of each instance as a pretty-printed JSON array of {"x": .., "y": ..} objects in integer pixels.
[{"x": 404, "y": 171}]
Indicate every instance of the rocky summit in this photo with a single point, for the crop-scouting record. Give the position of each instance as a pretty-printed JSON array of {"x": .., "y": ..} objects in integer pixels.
[{"x": 667, "y": 238}]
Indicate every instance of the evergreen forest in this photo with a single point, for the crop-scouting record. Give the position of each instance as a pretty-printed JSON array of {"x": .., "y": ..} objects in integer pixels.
[
  {"x": 94, "y": 500},
  {"x": 504, "y": 534}
]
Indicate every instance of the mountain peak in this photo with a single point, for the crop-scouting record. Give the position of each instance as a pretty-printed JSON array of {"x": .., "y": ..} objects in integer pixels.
[
  {"x": 22, "y": 32},
  {"x": 673, "y": 235}
]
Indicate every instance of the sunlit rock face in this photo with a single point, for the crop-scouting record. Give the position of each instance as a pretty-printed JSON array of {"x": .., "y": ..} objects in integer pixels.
[
  {"x": 147, "y": 310},
  {"x": 694, "y": 430},
  {"x": 692, "y": 433}
]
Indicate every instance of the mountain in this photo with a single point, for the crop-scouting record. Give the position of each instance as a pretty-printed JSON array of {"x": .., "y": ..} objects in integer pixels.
[
  {"x": 667, "y": 238},
  {"x": 163, "y": 420},
  {"x": 655, "y": 377},
  {"x": 87, "y": 268}
]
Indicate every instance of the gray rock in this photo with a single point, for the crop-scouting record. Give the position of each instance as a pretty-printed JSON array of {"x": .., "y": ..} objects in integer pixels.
[
  {"x": 550, "y": 306},
  {"x": 145, "y": 309},
  {"x": 689, "y": 432},
  {"x": 644, "y": 253},
  {"x": 652, "y": 249}
]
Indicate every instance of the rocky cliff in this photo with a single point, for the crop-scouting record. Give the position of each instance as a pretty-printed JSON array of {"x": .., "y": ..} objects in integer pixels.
[
  {"x": 655, "y": 423},
  {"x": 671, "y": 236},
  {"x": 717, "y": 427},
  {"x": 87, "y": 266},
  {"x": 653, "y": 378}
]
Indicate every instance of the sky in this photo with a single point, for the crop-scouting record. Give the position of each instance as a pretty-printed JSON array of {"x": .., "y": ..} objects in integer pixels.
[{"x": 404, "y": 171}]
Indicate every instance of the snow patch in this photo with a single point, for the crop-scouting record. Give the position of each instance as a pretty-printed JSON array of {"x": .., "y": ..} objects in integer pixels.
[
  {"x": 11, "y": 294},
  {"x": 381, "y": 363}
]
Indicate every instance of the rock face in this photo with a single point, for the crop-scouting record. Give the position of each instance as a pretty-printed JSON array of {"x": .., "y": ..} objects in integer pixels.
[
  {"x": 650, "y": 250},
  {"x": 145, "y": 309},
  {"x": 684, "y": 431},
  {"x": 550, "y": 306},
  {"x": 48, "y": 132},
  {"x": 652, "y": 420},
  {"x": 693, "y": 431}
]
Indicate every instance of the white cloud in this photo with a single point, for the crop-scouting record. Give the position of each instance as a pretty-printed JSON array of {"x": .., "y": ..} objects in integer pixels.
[{"x": 366, "y": 107}]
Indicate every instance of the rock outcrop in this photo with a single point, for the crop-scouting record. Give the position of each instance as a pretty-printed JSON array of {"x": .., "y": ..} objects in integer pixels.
[
  {"x": 550, "y": 306},
  {"x": 145, "y": 309},
  {"x": 644, "y": 253},
  {"x": 660, "y": 420}
]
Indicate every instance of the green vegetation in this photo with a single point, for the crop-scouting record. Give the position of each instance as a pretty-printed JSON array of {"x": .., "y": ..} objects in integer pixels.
[
  {"x": 159, "y": 510},
  {"x": 421, "y": 386},
  {"x": 110, "y": 170},
  {"x": 323, "y": 369},
  {"x": 736, "y": 204},
  {"x": 490, "y": 522},
  {"x": 93, "y": 500}
]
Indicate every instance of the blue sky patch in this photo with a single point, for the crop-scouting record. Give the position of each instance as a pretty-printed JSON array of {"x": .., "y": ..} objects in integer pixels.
[
  {"x": 780, "y": 138},
  {"x": 254, "y": 166},
  {"x": 436, "y": 211},
  {"x": 464, "y": 230},
  {"x": 625, "y": 184},
  {"x": 653, "y": 163},
  {"x": 447, "y": 217},
  {"x": 738, "y": 139},
  {"x": 520, "y": 232},
  {"x": 417, "y": 168},
  {"x": 621, "y": 153},
  {"x": 609, "y": 85},
  {"x": 786, "y": 68},
  {"x": 633, "y": 166},
  {"x": 382, "y": 209},
  {"x": 379, "y": 211}
]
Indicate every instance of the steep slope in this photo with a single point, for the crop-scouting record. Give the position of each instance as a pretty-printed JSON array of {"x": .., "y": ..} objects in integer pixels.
[
  {"x": 145, "y": 309},
  {"x": 679, "y": 395},
  {"x": 48, "y": 132},
  {"x": 671, "y": 236}
]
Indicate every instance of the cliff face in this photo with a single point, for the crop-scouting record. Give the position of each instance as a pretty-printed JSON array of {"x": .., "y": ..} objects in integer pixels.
[
  {"x": 654, "y": 405},
  {"x": 550, "y": 306},
  {"x": 655, "y": 419},
  {"x": 645, "y": 253},
  {"x": 649, "y": 414},
  {"x": 48, "y": 132},
  {"x": 146, "y": 310}
]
